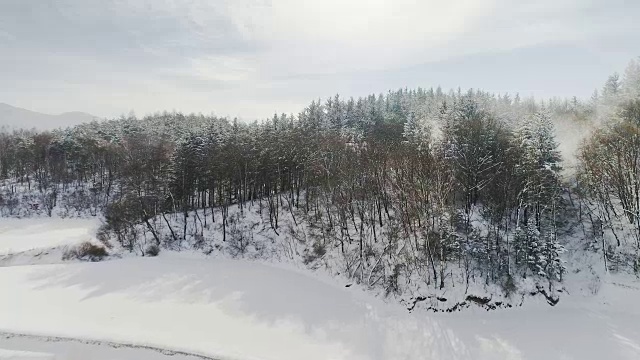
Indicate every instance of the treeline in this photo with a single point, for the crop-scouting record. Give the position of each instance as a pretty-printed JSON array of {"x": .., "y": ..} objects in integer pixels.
[
  {"x": 415, "y": 184},
  {"x": 609, "y": 179}
]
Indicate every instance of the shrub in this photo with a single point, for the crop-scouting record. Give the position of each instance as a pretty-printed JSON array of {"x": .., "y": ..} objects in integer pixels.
[
  {"x": 152, "y": 250},
  {"x": 240, "y": 237},
  {"x": 509, "y": 286},
  {"x": 595, "y": 284},
  {"x": 86, "y": 251},
  {"x": 318, "y": 251},
  {"x": 392, "y": 286},
  {"x": 103, "y": 236},
  {"x": 121, "y": 218}
]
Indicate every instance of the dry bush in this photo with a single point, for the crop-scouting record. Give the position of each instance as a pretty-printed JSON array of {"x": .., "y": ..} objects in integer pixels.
[
  {"x": 86, "y": 252},
  {"x": 103, "y": 236},
  {"x": 152, "y": 250}
]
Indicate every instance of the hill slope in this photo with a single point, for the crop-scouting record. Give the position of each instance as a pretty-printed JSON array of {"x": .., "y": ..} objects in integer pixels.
[{"x": 15, "y": 118}]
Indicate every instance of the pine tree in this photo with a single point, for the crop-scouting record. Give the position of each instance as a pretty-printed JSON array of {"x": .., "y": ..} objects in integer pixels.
[{"x": 630, "y": 84}]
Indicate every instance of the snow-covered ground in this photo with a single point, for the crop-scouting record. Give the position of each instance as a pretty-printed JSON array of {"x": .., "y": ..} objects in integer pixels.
[
  {"x": 47, "y": 348},
  {"x": 42, "y": 240},
  {"x": 24, "y": 355},
  {"x": 235, "y": 309},
  {"x": 18, "y": 235}
]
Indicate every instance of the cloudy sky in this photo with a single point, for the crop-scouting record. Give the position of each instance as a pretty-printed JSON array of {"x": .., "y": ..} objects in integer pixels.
[{"x": 249, "y": 58}]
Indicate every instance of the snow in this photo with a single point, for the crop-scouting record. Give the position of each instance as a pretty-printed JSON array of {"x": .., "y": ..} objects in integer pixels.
[
  {"x": 245, "y": 310},
  {"x": 24, "y": 355},
  {"x": 66, "y": 349},
  {"x": 19, "y": 235},
  {"x": 209, "y": 307}
]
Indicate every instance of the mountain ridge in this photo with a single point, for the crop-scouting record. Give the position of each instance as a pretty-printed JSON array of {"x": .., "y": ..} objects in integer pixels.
[{"x": 14, "y": 117}]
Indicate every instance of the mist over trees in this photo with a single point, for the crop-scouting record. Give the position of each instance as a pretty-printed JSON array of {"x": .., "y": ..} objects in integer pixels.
[{"x": 447, "y": 187}]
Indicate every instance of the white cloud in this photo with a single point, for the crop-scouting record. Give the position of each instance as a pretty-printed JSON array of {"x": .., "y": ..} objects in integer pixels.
[{"x": 299, "y": 37}]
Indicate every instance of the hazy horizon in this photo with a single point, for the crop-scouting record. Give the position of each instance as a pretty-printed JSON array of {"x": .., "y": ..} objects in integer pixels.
[{"x": 249, "y": 59}]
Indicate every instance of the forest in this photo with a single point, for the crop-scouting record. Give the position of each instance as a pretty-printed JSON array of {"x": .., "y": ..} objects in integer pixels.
[{"x": 419, "y": 188}]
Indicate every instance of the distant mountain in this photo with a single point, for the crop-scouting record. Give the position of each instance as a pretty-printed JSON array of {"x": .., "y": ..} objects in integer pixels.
[{"x": 15, "y": 118}]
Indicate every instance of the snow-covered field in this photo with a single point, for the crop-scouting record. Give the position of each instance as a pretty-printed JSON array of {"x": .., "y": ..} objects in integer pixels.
[
  {"x": 18, "y": 235},
  {"x": 46, "y": 348},
  {"x": 233, "y": 309}
]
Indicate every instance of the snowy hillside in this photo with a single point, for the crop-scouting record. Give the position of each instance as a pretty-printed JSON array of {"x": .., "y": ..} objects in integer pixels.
[{"x": 237, "y": 309}]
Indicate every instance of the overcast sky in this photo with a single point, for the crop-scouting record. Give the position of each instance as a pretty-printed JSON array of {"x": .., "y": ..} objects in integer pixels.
[{"x": 250, "y": 58}]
